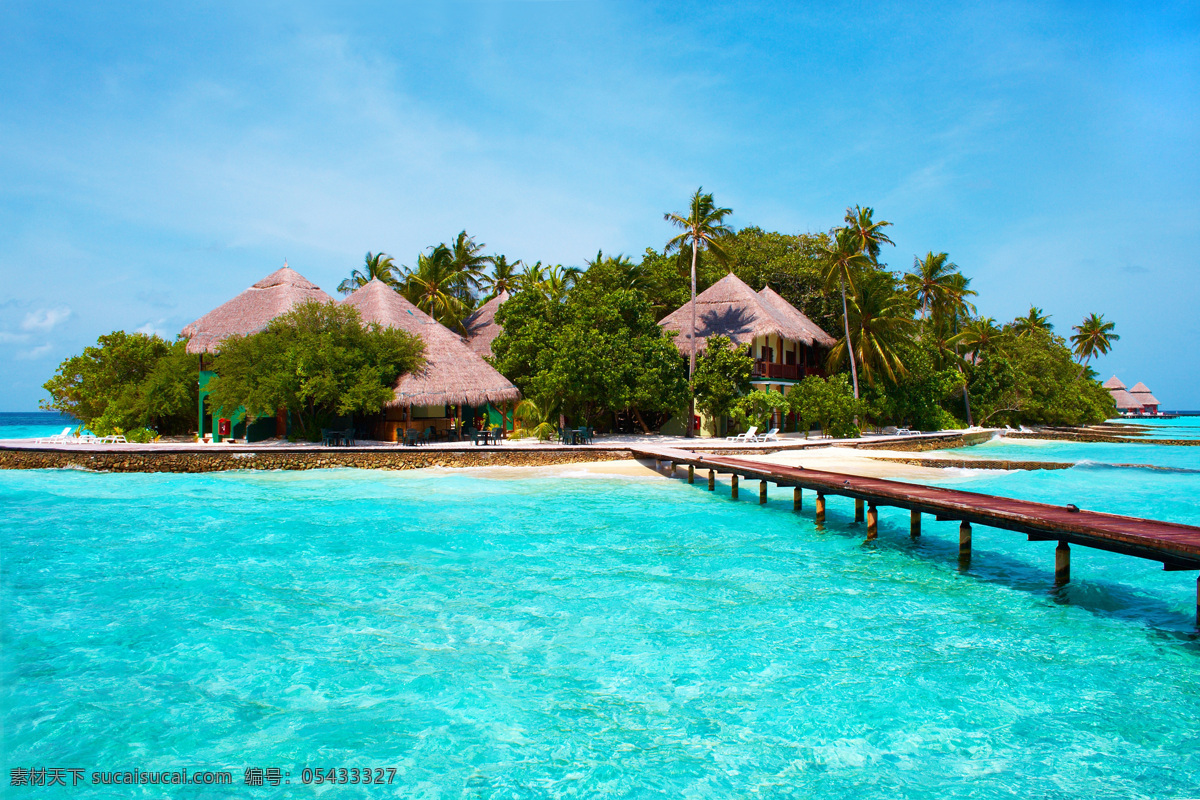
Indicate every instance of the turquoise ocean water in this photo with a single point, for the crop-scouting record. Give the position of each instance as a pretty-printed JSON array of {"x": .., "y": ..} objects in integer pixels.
[
  {"x": 582, "y": 637},
  {"x": 33, "y": 424}
]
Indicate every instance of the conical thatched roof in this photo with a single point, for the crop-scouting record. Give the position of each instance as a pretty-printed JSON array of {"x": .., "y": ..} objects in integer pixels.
[
  {"x": 482, "y": 328},
  {"x": 731, "y": 308},
  {"x": 1141, "y": 393},
  {"x": 1114, "y": 383},
  {"x": 788, "y": 311},
  {"x": 1125, "y": 401},
  {"x": 452, "y": 373},
  {"x": 251, "y": 310}
]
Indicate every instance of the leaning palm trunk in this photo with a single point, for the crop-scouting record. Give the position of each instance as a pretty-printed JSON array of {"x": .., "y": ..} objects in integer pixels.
[
  {"x": 691, "y": 420},
  {"x": 849, "y": 344}
]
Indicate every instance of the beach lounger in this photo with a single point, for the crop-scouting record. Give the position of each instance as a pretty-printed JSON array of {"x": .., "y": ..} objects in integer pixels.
[
  {"x": 770, "y": 436},
  {"x": 748, "y": 436},
  {"x": 57, "y": 438},
  {"x": 907, "y": 432}
]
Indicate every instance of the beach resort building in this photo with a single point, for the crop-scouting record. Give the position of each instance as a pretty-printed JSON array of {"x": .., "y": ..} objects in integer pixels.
[
  {"x": 1137, "y": 400},
  {"x": 786, "y": 345},
  {"x": 454, "y": 388}
]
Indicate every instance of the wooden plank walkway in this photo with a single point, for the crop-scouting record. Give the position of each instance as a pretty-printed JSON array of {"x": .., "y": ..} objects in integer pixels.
[{"x": 1177, "y": 546}]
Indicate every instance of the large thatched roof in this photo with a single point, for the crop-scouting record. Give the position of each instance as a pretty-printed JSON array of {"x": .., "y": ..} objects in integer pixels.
[
  {"x": 1113, "y": 383},
  {"x": 452, "y": 374},
  {"x": 1125, "y": 401},
  {"x": 731, "y": 308},
  {"x": 482, "y": 328},
  {"x": 1141, "y": 393},
  {"x": 251, "y": 310}
]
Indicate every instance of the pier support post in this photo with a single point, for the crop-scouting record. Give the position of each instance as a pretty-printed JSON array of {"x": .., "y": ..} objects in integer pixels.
[
  {"x": 797, "y": 499},
  {"x": 762, "y": 492},
  {"x": 872, "y": 522},
  {"x": 712, "y": 479},
  {"x": 733, "y": 487},
  {"x": 820, "y": 513},
  {"x": 858, "y": 510},
  {"x": 964, "y": 539},
  {"x": 1062, "y": 563},
  {"x": 1198, "y": 601},
  {"x": 691, "y": 473},
  {"x": 657, "y": 465},
  {"x": 671, "y": 469},
  {"x": 914, "y": 523}
]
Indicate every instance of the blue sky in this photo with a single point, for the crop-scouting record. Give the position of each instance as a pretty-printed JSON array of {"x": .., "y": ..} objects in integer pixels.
[{"x": 155, "y": 161}]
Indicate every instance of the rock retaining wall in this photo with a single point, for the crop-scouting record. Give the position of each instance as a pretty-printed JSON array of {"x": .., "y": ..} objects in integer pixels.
[{"x": 216, "y": 461}]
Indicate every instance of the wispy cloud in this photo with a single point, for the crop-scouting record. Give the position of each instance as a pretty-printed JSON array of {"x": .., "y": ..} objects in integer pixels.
[
  {"x": 13, "y": 338},
  {"x": 36, "y": 352},
  {"x": 45, "y": 319}
]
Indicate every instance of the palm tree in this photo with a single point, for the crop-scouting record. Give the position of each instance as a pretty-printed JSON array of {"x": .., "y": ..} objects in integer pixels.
[
  {"x": 844, "y": 260},
  {"x": 1037, "y": 320},
  {"x": 433, "y": 286},
  {"x": 703, "y": 227},
  {"x": 955, "y": 310},
  {"x": 980, "y": 336},
  {"x": 378, "y": 266},
  {"x": 470, "y": 262},
  {"x": 558, "y": 282},
  {"x": 1093, "y": 337},
  {"x": 931, "y": 282},
  {"x": 532, "y": 276},
  {"x": 881, "y": 322},
  {"x": 503, "y": 278},
  {"x": 868, "y": 233}
]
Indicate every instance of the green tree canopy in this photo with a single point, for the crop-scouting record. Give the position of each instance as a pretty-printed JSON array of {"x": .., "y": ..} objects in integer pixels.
[
  {"x": 128, "y": 381},
  {"x": 722, "y": 377},
  {"x": 318, "y": 361}
]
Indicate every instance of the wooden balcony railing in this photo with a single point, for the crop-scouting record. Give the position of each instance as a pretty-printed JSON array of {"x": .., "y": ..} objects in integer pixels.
[{"x": 785, "y": 372}]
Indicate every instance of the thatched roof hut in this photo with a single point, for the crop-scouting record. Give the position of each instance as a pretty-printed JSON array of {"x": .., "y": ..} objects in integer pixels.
[
  {"x": 1124, "y": 400},
  {"x": 481, "y": 325},
  {"x": 453, "y": 374},
  {"x": 1113, "y": 383},
  {"x": 1141, "y": 393},
  {"x": 251, "y": 310},
  {"x": 731, "y": 308}
]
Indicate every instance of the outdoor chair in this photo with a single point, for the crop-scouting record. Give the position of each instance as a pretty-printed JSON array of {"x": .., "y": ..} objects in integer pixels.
[
  {"x": 411, "y": 437},
  {"x": 770, "y": 436},
  {"x": 57, "y": 438},
  {"x": 748, "y": 436}
]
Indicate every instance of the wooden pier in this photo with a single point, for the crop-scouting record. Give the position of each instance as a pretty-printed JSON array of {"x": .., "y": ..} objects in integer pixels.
[{"x": 1176, "y": 546}]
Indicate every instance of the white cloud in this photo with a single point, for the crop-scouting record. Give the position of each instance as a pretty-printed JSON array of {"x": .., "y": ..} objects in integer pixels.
[
  {"x": 37, "y": 352},
  {"x": 13, "y": 338},
  {"x": 45, "y": 319},
  {"x": 155, "y": 328}
]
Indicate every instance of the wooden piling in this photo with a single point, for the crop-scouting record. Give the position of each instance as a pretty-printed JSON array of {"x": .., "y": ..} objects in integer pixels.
[
  {"x": 1198, "y": 601},
  {"x": 1062, "y": 563},
  {"x": 872, "y": 521},
  {"x": 914, "y": 523},
  {"x": 797, "y": 498},
  {"x": 657, "y": 465},
  {"x": 691, "y": 473},
  {"x": 820, "y": 513},
  {"x": 964, "y": 539},
  {"x": 858, "y": 509},
  {"x": 733, "y": 487},
  {"x": 762, "y": 492},
  {"x": 712, "y": 479}
]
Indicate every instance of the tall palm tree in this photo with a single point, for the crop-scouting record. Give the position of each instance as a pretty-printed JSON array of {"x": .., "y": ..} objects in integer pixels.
[
  {"x": 844, "y": 261},
  {"x": 470, "y": 261},
  {"x": 931, "y": 282},
  {"x": 881, "y": 321},
  {"x": 1093, "y": 337},
  {"x": 980, "y": 336},
  {"x": 558, "y": 282},
  {"x": 955, "y": 311},
  {"x": 433, "y": 286},
  {"x": 703, "y": 228},
  {"x": 532, "y": 276},
  {"x": 868, "y": 233},
  {"x": 377, "y": 265},
  {"x": 1036, "y": 320},
  {"x": 503, "y": 277}
]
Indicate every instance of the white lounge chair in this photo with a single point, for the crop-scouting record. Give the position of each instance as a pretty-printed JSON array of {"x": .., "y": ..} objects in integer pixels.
[
  {"x": 116, "y": 438},
  {"x": 748, "y": 436},
  {"x": 907, "y": 432},
  {"x": 57, "y": 438},
  {"x": 770, "y": 436}
]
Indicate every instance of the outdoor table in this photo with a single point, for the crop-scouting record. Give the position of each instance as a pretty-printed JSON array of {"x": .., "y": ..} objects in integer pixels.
[{"x": 482, "y": 435}]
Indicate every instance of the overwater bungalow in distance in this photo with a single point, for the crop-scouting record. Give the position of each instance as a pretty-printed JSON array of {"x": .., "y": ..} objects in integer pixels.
[
  {"x": 453, "y": 388},
  {"x": 1132, "y": 402},
  {"x": 786, "y": 345}
]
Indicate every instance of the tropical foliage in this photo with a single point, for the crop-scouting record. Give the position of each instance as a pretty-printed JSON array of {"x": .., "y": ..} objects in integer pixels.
[
  {"x": 318, "y": 361},
  {"x": 722, "y": 377},
  {"x": 127, "y": 382},
  {"x": 377, "y": 266}
]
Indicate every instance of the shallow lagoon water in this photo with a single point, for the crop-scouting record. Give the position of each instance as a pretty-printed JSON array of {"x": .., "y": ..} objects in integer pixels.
[{"x": 570, "y": 637}]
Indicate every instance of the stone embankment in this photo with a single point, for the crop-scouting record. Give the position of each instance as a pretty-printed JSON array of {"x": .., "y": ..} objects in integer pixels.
[
  {"x": 976, "y": 463},
  {"x": 210, "y": 460}
]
